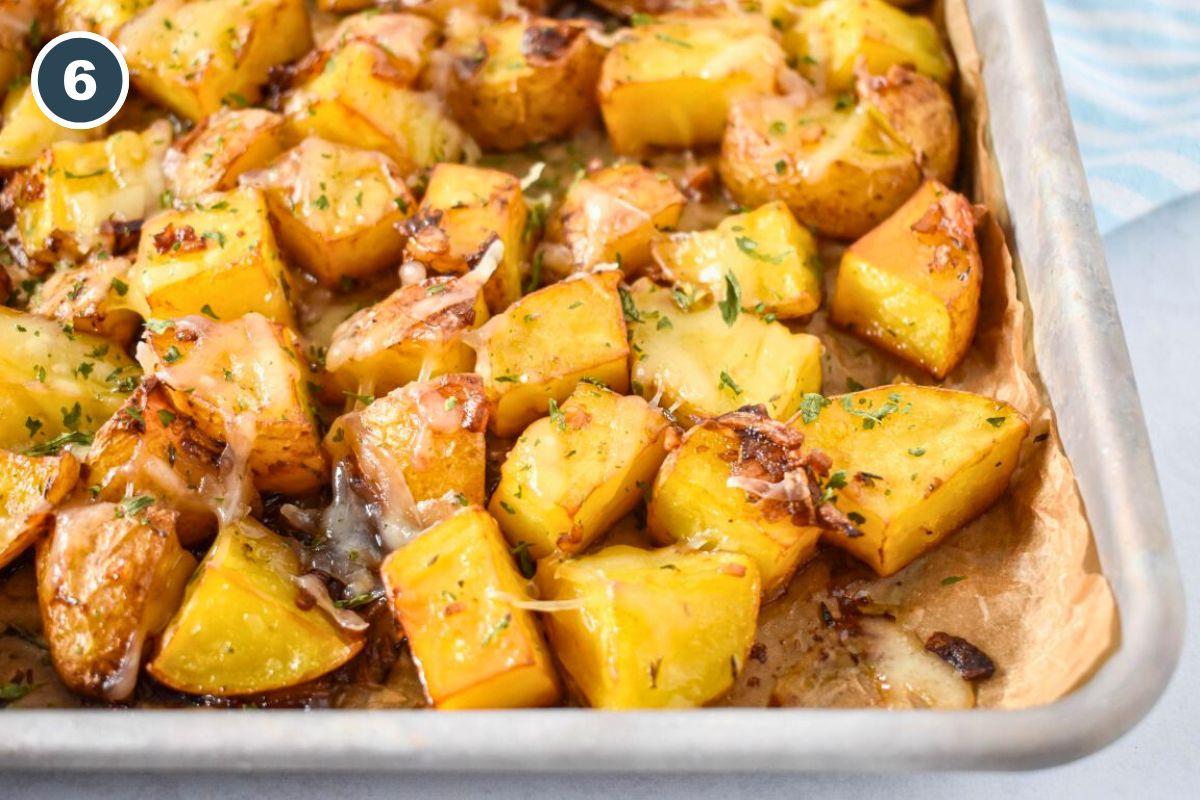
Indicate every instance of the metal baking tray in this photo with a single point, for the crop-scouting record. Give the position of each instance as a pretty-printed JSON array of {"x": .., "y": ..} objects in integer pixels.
[{"x": 1085, "y": 367}]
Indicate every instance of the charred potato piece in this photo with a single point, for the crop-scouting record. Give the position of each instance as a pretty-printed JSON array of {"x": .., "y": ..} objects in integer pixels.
[
  {"x": 91, "y": 299},
  {"x": 104, "y": 17},
  {"x": 912, "y": 464},
  {"x": 543, "y": 345},
  {"x": 30, "y": 488},
  {"x": 670, "y": 83},
  {"x": 458, "y": 595},
  {"x": 526, "y": 81},
  {"x": 25, "y": 131},
  {"x": 220, "y": 148},
  {"x": 666, "y": 628},
  {"x": 912, "y": 285},
  {"x": 922, "y": 115},
  {"x": 573, "y": 474},
  {"x": 248, "y": 624},
  {"x": 218, "y": 258},
  {"x": 109, "y": 578},
  {"x": 406, "y": 39},
  {"x": 196, "y": 56}
]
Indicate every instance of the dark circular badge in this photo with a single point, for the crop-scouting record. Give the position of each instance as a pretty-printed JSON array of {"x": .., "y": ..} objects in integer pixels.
[{"x": 80, "y": 80}]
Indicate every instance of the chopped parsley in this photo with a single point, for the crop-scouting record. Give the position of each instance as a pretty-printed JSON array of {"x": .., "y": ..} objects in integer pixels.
[{"x": 731, "y": 303}]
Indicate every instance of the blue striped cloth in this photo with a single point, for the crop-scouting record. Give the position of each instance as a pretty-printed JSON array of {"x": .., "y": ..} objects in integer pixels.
[{"x": 1132, "y": 73}]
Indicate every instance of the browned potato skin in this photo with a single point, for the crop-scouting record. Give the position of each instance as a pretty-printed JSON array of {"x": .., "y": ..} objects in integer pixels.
[
  {"x": 922, "y": 114},
  {"x": 30, "y": 488},
  {"x": 220, "y": 148},
  {"x": 107, "y": 581},
  {"x": 89, "y": 299},
  {"x": 553, "y": 95}
]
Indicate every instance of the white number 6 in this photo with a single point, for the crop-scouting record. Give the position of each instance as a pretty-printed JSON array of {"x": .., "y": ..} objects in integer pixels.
[{"x": 73, "y": 78}]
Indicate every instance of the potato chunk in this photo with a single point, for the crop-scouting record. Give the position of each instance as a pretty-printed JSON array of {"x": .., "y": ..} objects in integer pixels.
[
  {"x": 30, "y": 488},
  {"x": 526, "y": 80},
  {"x": 670, "y": 83},
  {"x": 220, "y": 148},
  {"x": 218, "y": 257},
  {"x": 406, "y": 39},
  {"x": 840, "y": 168},
  {"x": 55, "y": 381},
  {"x": 830, "y": 39},
  {"x": 912, "y": 464},
  {"x": 358, "y": 97},
  {"x": 457, "y": 594},
  {"x": 245, "y": 383},
  {"x": 737, "y": 487},
  {"x": 546, "y": 343},
  {"x": 921, "y": 113},
  {"x": 912, "y": 285},
  {"x": 104, "y": 17},
  {"x": 150, "y": 448},
  {"x": 464, "y": 210},
  {"x": 247, "y": 625},
  {"x": 72, "y": 199},
  {"x": 666, "y": 628},
  {"x": 610, "y": 217},
  {"x": 767, "y": 258},
  {"x": 25, "y": 131},
  {"x": 573, "y": 474},
  {"x": 91, "y": 299},
  {"x": 704, "y": 366},
  {"x": 414, "y": 333},
  {"x": 195, "y": 56},
  {"x": 109, "y": 578},
  {"x": 337, "y": 209}
]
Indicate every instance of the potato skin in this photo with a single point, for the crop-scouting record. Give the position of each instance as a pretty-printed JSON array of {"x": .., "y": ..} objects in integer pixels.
[
  {"x": 921, "y": 113},
  {"x": 30, "y": 488}
]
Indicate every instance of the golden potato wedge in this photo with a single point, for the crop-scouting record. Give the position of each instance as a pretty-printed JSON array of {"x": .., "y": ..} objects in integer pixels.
[
  {"x": 912, "y": 285},
  {"x": 840, "y": 168},
  {"x": 337, "y": 209},
  {"x": 737, "y": 483},
  {"x": 920, "y": 112},
  {"x": 196, "y": 56},
  {"x": 764, "y": 257},
  {"x": 54, "y": 380},
  {"x": 829, "y": 41},
  {"x": 109, "y": 578},
  {"x": 357, "y": 97},
  {"x": 74, "y": 198},
  {"x": 912, "y": 464},
  {"x": 218, "y": 257},
  {"x": 546, "y": 343},
  {"x": 666, "y": 628},
  {"x": 670, "y": 83},
  {"x": 464, "y": 210},
  {"x": 246, "y": 384},
  {"x": 91, "y": 299},
  {"x": 413, "y": 334},
  {"x": 610, "y": 217},
  {"x": 457, "y": 593},
  {"x": 406, "y": 39},
  {"x": 220, "y": 148},
  {"x": 525, "y": 81},
  {"x": 30, "y": 488},
  {"x": 104, "y": 17},
  {"x": 247, "y": 624},
  {"x": 573, "y": 474},
  {"x": 25, "y": 131},
  {"x": 152, "y": 449},
  {"x": 701, "y": 365}
]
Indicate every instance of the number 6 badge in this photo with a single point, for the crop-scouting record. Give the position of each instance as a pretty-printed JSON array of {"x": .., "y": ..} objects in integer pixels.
[{"x": 80, "y": 80}]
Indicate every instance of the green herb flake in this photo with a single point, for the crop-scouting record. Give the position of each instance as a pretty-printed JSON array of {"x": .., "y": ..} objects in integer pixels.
[
  {"x": 557, "y": 416},
  {"x": 953, "y": 579},
  {"x": 731, "y": 303},
  {"x": 811, "y": 405},
  {"x": 750, "y": 247},
  {"x": 525, "y": 562},
  {"x": 996, "y": 422},
  {"x": 727, "y": 381}
]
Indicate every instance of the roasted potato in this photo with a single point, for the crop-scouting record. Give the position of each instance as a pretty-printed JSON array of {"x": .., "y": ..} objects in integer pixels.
[
  {"x": 703, "y": 362},
  {"x": 337, "y": 209},
  {"x": 91, "y": 298},
  {"x": 220, "y": 148},
  {"x": 912, "y": 464},
  {"x": 104, "y": 17},
  {"x": 217, "y": 257},
  {"x": 525, "y": 81},
  {"x": 666, "y": 628},
  {"x": 671, "y": 82},
  {"x": 464, "y": 211},
  {"x": 839, "y": 167},
  {"x": 573, "y": 474},
  {"x": 30, "y": 488},
  {"x": 25, "y": 131},
  {"x": 109, "y": 578},
  {"x": 543, "y": 345},
  {"x": 74, "y": 199},
  {"x": 921, "y": 114},
  {"x": 248, "y": 625},
  {"x": 246, "y": 384},
  {"x": 912, "y": 285},
  {"x": 406, "y": 39},
  {"x": 458, "y": 595},
  {"x": 764, "y": 257},
  {"x": 55, "y": 381},
  {"x": 196, "y": 56}
]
